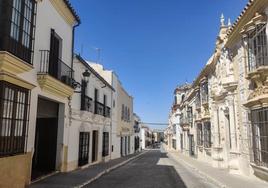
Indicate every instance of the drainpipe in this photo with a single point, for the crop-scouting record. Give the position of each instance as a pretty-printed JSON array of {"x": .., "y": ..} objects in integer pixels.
[
  {"x": 111, "y": 129},
  {"x": 73, "y": 33},
  {"x": 70, "y": 98}
]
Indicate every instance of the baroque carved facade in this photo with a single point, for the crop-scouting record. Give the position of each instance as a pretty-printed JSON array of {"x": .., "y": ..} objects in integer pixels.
[{"x": 228, "y": 101}]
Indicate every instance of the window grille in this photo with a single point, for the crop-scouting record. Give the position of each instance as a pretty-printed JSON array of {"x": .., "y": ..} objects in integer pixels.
[
  {"x": 257, "y": 48},
  {"x": 204, "y": 92},
  {"x": 83, "y": 148},
  {"x": 259, "y": 121},
  {"x": 105, "y": 144},
  {"x": 207, "y": 134},
  {"x": 198, "y": 100},
  {"x": 18, "y": 23},
  {"x": 199, "y": 134},
  {"x": 14, "y": 107}
]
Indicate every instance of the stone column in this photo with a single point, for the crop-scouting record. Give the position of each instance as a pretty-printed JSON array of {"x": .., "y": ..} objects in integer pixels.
[
  {"x": 216, "y": 126},
  {"x": 232, "y": 120}
]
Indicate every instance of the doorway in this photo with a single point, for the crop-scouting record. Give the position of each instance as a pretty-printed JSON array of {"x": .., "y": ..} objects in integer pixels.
[
  {"x": 94, "y": 146},
  {"x": 83, "y": 152},
  {"x": 45, "y": 148},
  {"x": 181, "y": 141},
  {"x": 191, "y": 144}
]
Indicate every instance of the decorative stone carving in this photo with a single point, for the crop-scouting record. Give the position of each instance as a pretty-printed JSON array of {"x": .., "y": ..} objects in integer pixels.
[{"x": 262, "y": 90}]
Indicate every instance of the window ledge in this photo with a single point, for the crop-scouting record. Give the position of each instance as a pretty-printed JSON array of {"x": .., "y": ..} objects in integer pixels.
[
  {"x": 257, "y": 73},
  {"x": 12, "y": 64}
]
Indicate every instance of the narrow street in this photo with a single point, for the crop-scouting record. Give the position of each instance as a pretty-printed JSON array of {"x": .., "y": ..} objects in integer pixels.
[{"x": 153, "y": 169}]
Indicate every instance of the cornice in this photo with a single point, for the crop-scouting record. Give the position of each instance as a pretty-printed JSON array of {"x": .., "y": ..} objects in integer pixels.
[
  {"x": 63, "y": 9},
  {"x": 246, "y": 15},
  {"x": 54, "y": 86}
]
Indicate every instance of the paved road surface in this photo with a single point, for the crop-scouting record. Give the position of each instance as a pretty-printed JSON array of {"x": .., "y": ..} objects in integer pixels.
[{"x": 154, "y": 169}]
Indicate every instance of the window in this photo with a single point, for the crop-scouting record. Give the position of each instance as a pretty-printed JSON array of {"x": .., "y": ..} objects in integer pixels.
[
  {"x": 86, "y": 102},
  {"x": 105, "y": 144},
  {"x": 128, "y": 115},
  {"x": 204, "y": 92},
  {"x": 259, "y": 121},
  {"x": 257, "y": 47},
  {"x": 182, "y": 98},
  {"x": 104, "y": 106},
  {"x": 175, "y": 99},
  {"x": 199, "y": 134},
  {"x": 96, "y": 99},
  {"x": 14, "y": 106},
  {"x": 18, "y": 20},
  {"x": 125, "y": 115},
  {"x": 207, "y": 135},
  {"x": 197, "y": 99},
  {"x": 26, "y": 33},
  {"x": 15, "y": 20},
  {"x": 174, "y": 144},
  {"x": 104, "y": 99},
  {"x": 190, "y": 115},
  {"x": 84, "y": 138},
  {"x": 122, "y": 112},
  {"x": 114, "y": 103}
]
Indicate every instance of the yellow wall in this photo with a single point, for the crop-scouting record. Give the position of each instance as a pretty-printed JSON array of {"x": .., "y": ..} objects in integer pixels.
[{"x": 18, "y": 167}]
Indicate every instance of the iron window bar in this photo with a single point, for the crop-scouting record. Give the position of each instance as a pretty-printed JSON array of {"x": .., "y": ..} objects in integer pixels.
[
  {"x": 14, "y": 119},
  {"x": 259, "y": 123},
  {"x": 257, "y": 48}
]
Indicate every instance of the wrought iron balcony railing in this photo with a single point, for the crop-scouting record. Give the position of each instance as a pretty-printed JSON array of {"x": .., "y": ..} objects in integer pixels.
[
  {"x": 55, "y": 67},
  {"x": 87, "y": 104},
  {"x": 107, "y": 112},
  {"x": 99, "y": 108},
  {"x": 204, "y": 98},
  {"x": 197, "y": 104}
]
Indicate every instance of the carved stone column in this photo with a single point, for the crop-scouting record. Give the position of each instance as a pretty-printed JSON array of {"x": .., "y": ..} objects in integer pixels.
[
  {"x": 216, "y": 131},
  {"x": 216, "y": 149},
  {"x": 232, "y": 121}
]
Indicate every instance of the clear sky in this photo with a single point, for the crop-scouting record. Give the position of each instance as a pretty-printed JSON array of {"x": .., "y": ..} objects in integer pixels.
[{"x": 153, "y": 45}]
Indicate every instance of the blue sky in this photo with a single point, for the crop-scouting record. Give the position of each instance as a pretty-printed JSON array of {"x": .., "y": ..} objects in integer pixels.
[{"x": 153, "y": 45}]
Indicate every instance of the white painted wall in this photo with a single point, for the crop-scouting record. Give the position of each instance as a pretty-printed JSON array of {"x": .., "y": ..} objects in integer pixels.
[
  {"x": 48, "y": 18},
  {"x": 83, "y": 121}
]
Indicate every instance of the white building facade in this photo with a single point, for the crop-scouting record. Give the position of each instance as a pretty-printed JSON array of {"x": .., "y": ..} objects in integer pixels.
[
  {"x": 122, "y": 115},
  {"x": 36, "y": 80}
]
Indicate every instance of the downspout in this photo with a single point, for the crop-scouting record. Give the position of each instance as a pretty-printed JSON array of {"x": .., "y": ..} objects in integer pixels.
[
  {"x": 70, "y": 97},
  {"x": 111, "y": 128},
  {"x": 73, "y": 33}
]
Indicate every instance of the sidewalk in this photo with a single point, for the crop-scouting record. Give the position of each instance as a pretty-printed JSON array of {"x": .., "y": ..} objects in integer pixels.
[
  {"x": 220, "y": 177},
  {"x": 81, "y": 177}
]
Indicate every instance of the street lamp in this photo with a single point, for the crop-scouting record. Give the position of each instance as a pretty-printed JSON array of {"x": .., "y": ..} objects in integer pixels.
[
  {"x": 86, "y": 75},
  {"x": 85, "y": 80}
]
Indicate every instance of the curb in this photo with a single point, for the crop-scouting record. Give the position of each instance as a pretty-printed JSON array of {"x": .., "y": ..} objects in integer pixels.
[
  {"x": 205, "y": 175},
  {"x": 109, "y": 169}
]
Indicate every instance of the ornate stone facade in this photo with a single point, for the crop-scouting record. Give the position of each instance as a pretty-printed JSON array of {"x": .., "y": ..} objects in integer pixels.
[{"x": 229, "y": 98}]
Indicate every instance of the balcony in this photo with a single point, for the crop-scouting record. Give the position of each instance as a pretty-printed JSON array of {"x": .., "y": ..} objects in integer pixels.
[
  {"x": 99, "y": 108},
  {"x": 87, "y": 104},
  {"x": 186, "y": 122},
  {"x": 197, "y": 104},
  {"x": 204, "y": 98},
  {"x": 54, "y": 75},
  {"x": 107, "y": 112},
  {"x": 55, "y": 68}
]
